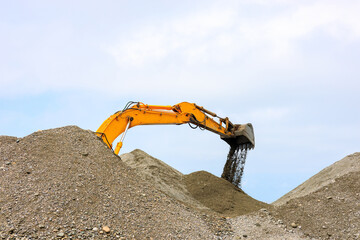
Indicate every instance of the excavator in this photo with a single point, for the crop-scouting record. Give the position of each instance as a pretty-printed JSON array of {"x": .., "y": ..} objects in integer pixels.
[{"x": 240, "y": 137}]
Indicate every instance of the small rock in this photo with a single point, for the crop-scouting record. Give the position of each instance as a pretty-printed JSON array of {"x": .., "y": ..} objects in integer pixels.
[
  {"x": 294, "y": 225},
  {"x": 280, "y": 222},
  {"x": 61, "y": 234},
  {"x": 329, "y": 197},
  {"x": 257, "y": 224},
  {"x": 245, "y": 236},
  {"x": 95, "y": 229},
  {"x": 324, "y": 227},
  {"x": 7, "y": 163},
  {"x": 106, "y": 229},
  {"x": 18, "y": 140},
  {"x": 41, "y": 226}
]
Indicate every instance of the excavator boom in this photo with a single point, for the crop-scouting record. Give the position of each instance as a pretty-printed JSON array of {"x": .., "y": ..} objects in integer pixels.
[{"x": 136, "y": 113}]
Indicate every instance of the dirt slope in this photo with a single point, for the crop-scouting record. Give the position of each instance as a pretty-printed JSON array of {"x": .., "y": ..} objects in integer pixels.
[
  {"x": 65, "y": 183},
  {"x": 350, "y": 163}
]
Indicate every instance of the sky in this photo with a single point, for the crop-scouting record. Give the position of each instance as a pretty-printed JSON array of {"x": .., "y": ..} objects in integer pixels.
[{"x": 291, "y": 68}]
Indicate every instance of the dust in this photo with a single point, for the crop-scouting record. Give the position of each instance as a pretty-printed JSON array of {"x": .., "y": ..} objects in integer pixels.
[{"x": 235, "y": 163}]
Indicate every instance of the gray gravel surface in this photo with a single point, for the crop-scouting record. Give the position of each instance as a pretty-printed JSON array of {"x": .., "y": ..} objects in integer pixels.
[
  {"x": 263, "y": 225},
  {"x": 328, "y": 175},
  {"x": 331, "y": 212},
  {"x": 66, "y": 184}
]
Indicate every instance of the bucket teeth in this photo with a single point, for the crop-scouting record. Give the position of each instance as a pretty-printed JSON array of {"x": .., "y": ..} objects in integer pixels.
[{"x": 246, "y": 146}]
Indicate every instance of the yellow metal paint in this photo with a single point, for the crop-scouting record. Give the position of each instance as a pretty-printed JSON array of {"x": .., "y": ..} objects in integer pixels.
[{"x": 142, "y": 114}]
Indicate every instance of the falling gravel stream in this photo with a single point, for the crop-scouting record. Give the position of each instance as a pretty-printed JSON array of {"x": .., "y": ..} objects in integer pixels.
[{"x": 234, "y": 166}]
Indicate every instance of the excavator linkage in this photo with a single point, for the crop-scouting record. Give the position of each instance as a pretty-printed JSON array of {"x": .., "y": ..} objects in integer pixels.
[
  {"x": 240, "y": 137},
  {"x": 243, "y": 136}
]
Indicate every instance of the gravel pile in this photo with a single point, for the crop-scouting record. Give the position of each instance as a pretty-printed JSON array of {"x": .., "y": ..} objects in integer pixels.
[
  {"x": 162, "y": 176},
  {"x": 220, "y": 195},
  {"x": 200, "y": 190},
  {"x": 328, "y": 175},
  {"x": 332, "y": 212},
  {"x": 327, "y": 205},
  {"x": 264, "y": 225},
  {"x": 65, "y": 183}
]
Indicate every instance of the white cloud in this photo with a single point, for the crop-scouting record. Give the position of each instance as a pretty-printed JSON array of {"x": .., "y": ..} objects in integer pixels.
[
  {"x": 186, "y": 37},
  {"x": 221, "y": 34},
  {"x": 221, "y": 44}
]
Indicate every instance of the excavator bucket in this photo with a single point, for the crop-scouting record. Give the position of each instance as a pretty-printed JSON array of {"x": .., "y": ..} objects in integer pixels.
[{"x": 243, "y": 136}]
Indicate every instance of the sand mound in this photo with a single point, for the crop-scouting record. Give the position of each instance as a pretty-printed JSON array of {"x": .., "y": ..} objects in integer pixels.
[
  {"x": 65, "y": 183},
  {"x": 220, "y": 195},
  {"x": 350, "y": 163},
  {"x": 200, "y": 190}
]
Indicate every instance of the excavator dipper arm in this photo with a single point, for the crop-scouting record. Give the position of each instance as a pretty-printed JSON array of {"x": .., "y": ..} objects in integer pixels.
[{"x": 135, "y": 114}]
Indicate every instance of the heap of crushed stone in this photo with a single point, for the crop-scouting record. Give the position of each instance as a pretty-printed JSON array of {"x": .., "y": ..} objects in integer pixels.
[
  {"x": 200, "y": 190},
  {"x": 162, "y": 176},
  {"x": 66, "y": 183},
  {"x": 327, "y": 206},
  {"x": 328, "y": 175},
  {"x": 220, "y": 195}
]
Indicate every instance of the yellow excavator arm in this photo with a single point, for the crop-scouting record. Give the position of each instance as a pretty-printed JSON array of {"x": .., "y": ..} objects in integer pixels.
[{"x": 136, "y": 113}]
